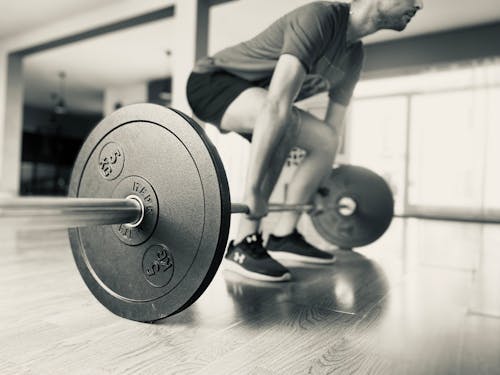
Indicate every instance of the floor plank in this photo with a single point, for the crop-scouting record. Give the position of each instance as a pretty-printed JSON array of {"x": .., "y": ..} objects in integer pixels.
[{"x": 480, "y": 344}]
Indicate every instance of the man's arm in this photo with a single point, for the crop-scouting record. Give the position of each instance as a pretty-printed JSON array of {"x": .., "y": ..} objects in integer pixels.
[
  {"x": 342, "y": 94},
  {"x": 270, "y": 126}
]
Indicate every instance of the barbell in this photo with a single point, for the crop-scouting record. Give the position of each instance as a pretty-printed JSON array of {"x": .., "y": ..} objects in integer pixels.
[
  {"x": 55, "y": 213},
  {"x": 148, "y": 211}
]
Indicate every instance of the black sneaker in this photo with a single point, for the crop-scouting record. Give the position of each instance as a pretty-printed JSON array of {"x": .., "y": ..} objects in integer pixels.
[
  {"x": 249, "y": 258},
  {"x": 295, "y": 247}
]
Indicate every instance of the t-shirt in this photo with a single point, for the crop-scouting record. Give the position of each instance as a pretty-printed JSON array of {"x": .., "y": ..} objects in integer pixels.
[{"x": 314, "y": 33}]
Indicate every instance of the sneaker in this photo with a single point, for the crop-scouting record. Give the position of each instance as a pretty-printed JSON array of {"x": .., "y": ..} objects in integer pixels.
[
  {"x": 249, "y": 258},
  {"x": 295, "y": 247}
]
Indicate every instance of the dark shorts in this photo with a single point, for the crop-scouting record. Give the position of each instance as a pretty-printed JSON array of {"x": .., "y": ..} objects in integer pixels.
[{"x": 210, "y": 94}]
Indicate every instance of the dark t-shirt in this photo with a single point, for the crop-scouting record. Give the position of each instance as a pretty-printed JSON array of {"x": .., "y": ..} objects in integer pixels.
[{"x": 314, "y": 33}]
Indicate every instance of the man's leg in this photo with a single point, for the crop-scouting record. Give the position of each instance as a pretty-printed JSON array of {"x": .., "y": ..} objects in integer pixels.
[
  {"x": 241, "y": 117},
  {"x": 247, "y": 255},
  {"x": 320, "y": 142},
  {"x": 306, "y": 132}
]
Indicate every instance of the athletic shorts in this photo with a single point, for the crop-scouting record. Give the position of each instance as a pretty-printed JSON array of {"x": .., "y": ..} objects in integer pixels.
[{"x": 210, "y": 94}]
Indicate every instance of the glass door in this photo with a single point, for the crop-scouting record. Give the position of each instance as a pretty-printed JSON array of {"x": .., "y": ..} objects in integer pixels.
[{"x": 376, "y": 136}]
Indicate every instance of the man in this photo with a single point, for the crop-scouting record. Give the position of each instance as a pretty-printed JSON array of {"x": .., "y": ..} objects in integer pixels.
[{"x": 250, "y": 88}]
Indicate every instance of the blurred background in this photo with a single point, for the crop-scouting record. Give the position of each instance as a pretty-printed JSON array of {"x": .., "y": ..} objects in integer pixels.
[{"x": 425, "y": 114}]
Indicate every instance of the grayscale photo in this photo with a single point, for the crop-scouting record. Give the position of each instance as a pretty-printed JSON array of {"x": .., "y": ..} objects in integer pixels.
[{"x": 249, "y": 187}]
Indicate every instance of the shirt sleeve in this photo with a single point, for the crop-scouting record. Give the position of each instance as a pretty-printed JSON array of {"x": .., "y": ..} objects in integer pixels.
[
  {"x": 307, "y": 33},
  {"x": 342, "y": 93}
]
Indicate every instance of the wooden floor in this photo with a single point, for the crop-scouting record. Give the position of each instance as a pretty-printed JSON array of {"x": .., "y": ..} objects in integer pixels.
[{"x": 425, "y": 299}]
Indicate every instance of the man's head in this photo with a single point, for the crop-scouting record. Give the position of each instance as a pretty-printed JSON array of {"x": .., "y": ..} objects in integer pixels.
[{"x": 396, "y": 14}]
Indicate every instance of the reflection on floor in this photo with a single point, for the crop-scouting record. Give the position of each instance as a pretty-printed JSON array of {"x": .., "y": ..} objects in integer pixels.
[{"x": 424, "y": 299}]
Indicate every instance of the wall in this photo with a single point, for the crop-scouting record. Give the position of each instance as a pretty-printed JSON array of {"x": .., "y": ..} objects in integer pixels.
[
  {"x": 10, "y": 137},
  {"x": 410, "y": 54},
  {"x": 124, "y": 95}
]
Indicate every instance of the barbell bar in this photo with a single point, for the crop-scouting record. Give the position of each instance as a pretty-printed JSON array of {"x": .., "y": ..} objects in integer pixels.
[
  {"x": 55, "y": 212},
  {"x": 148, "y": 211},
  {"x": 346, "y": 207},
  {"x": 49, "y": 212}
]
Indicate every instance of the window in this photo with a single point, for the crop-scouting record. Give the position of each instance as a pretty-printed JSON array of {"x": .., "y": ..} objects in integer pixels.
[{"x": 434, "y": 136}]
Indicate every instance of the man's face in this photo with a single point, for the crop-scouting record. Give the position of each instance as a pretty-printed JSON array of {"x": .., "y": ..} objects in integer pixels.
[{"x": 396, "y": 14}]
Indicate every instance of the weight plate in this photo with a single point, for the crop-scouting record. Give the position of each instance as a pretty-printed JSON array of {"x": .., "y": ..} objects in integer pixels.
[
  {"x": 162, "y": 266},
  {"x": 373, "y": 213}
]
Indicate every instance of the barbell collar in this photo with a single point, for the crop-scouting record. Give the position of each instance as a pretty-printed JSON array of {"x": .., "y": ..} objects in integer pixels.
[
  {"x": 346, "y": 206},
  {"x": 68, "y": 212}
]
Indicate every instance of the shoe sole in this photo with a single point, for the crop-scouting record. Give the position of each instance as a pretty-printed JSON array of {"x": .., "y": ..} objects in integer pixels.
[
  {"x": 232, "y": 266},
  {"x": 284, "y": 255}
]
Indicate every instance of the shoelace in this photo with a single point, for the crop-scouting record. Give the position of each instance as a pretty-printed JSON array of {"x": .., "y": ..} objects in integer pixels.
[
  {"x": 295, "y": 234},
  {"x": 254, "y": 244}
]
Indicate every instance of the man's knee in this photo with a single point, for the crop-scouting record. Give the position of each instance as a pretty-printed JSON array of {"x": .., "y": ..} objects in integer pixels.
[{"x": 241, "y": 114}]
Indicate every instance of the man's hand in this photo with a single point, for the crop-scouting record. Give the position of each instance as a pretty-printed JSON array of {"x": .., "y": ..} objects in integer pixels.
[{"x": 258, "y": 206}]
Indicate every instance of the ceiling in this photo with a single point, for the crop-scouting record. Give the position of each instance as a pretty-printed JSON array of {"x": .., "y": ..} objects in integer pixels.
[
  {"x": 21, "y": 15},
  {"x": 138, "y": 54}
]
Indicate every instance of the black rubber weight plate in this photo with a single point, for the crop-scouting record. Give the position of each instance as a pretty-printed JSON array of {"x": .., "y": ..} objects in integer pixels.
[
  {"x": 374, "y": 212},
  {"x": 165, "y": 158}
]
